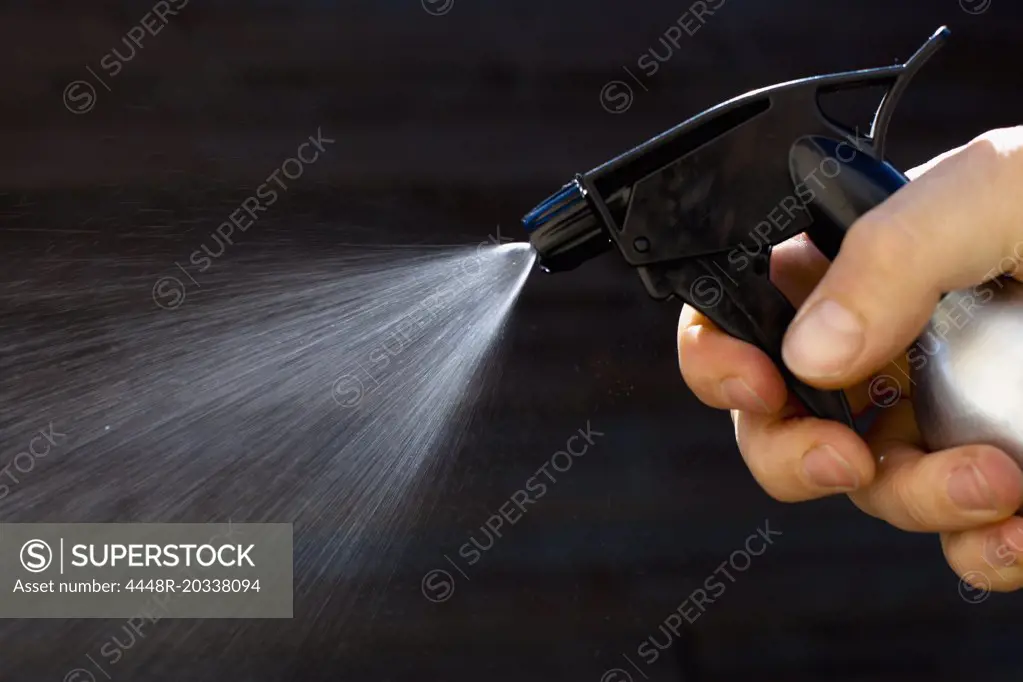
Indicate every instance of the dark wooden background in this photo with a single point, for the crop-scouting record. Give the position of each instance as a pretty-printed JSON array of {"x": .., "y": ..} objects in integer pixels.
[{"x": 447, "y": 126}]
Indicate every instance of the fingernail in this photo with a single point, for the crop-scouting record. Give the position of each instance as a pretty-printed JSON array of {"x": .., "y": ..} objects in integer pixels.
[
  {"x": 970, "y": 490},
  {"x": 738, "y": 394},
  {"x": 823, "y": 340},
  {"x": 828, "y": 469}
]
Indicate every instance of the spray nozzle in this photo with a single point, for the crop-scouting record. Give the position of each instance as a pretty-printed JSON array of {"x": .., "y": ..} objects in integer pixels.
[
  {"x": 697, "y": 208},
  {"x": 565, "y": 231}
]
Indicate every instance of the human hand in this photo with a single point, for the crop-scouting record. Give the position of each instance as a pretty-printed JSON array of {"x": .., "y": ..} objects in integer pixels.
[{"x": 959, "y": 223}]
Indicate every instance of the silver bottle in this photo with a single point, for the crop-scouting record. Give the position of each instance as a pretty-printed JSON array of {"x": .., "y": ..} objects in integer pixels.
[{"x": 967, "y": 370}]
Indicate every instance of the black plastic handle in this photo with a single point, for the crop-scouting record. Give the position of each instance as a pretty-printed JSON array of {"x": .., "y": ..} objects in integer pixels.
[
  {"x": 745, "y": 304},
  {"x": 843, "y": 182}
]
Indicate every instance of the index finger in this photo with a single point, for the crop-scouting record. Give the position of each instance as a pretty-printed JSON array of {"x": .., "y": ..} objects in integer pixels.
[{"x": 960, "y": 223}]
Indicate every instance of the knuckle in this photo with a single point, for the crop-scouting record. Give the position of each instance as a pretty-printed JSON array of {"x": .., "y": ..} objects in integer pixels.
[
  {"x": 690, "y": 322},
  {"x": 694, "y": 349},
  {"x": 981, "y": 153},
  {"x": 910, "y": 511},
  {"x": 863, "y": 500},
  {"x": 746, "y": 439},
  {"x": 686, "y": 317},
  {"x": 994, "y": 160},
  {"x": 998, "y": 149},
  {"x": 769, "y": 481},
  {"x": 687, "y": 349},
  {"x": 757, "y": 461}
]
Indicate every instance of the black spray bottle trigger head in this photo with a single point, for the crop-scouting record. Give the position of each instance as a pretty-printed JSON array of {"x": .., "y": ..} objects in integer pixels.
[{"x": 702, "y": 201}]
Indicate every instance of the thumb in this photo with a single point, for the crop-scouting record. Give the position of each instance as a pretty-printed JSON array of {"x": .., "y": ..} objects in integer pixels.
[{"x": 958, "y": 224}]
